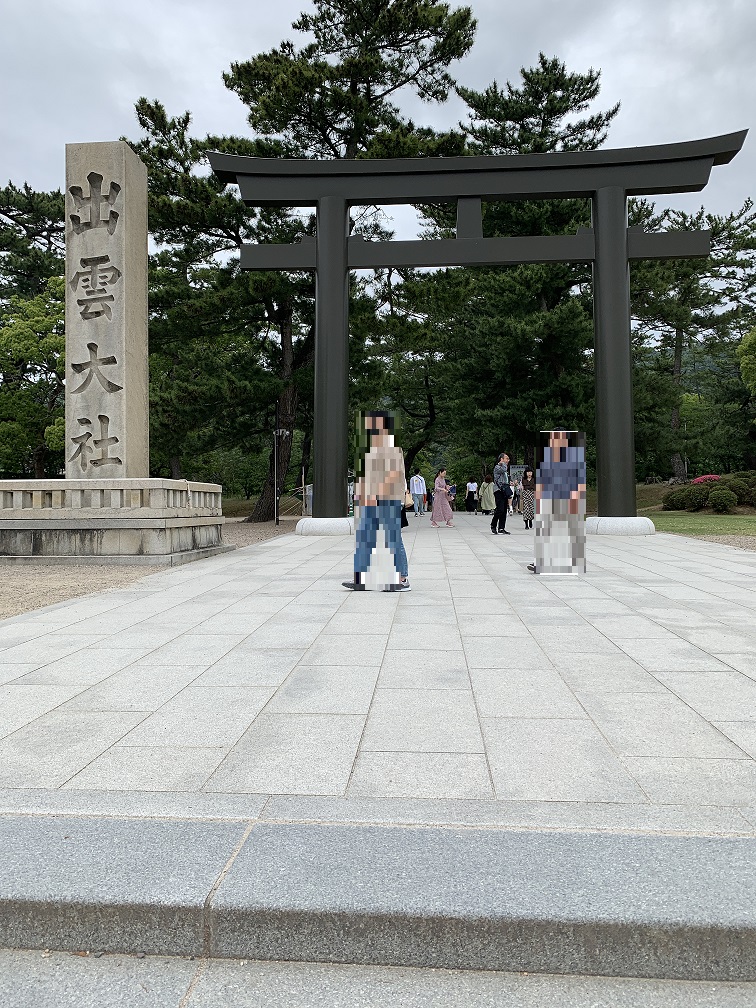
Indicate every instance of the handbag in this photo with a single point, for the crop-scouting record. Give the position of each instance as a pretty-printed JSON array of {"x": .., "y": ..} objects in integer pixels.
[{"x": 409, "y": 501}]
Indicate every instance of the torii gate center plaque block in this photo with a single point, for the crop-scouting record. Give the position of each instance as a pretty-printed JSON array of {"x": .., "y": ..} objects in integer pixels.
[
  {"x": 107, "y": 509},
  {"x": 606, "y": 177}
]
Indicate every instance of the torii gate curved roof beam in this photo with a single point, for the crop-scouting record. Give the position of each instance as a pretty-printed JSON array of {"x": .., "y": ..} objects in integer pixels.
[{"x": 664, "y": 168}]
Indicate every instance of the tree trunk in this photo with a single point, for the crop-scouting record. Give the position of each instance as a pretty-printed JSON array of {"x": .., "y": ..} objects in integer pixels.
[
  {"x": 306, "y": 453},
  {"x": 40, "y": 452},
  {"x": 264, "y": 509},
  {"x": 175, "y": 464},
  {"x": 677, "y": 459}
]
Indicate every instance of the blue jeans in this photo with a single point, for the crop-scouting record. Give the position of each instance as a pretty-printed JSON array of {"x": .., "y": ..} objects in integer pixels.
[
  {"x": 418, "y": 502},
  {"x": 389, "y": 515}
]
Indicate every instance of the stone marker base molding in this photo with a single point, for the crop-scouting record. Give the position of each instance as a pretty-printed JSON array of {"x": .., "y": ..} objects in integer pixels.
[
  {"x": 632, "y": 526},
  {"x": 126, "y": 521}
]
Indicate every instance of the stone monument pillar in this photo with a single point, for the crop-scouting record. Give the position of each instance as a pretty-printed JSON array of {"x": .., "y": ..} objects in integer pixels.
[
  {"x": 107, "y": 509},
  {"x": 107, "y": 405}
]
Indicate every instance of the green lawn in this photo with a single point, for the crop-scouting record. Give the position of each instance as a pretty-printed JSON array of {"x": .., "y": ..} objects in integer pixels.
[
  {"x": 702, "y": 523},
  {"x": 692, "y": 523}
]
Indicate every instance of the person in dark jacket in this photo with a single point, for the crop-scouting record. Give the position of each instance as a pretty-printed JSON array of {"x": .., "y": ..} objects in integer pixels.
[{"x": 502, "y": 493}]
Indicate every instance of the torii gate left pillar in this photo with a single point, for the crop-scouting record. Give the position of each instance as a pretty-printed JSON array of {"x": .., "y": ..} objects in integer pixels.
[{"x": 330, "y": 433}]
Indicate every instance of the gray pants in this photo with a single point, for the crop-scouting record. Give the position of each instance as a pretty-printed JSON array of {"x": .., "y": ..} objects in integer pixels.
[{"x": 559, "y": 538}]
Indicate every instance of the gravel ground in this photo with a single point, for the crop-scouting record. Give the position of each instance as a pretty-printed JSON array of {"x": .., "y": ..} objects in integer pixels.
[
  {"x": 33, "y": 586},
  {"x": 742, "y": 542}
]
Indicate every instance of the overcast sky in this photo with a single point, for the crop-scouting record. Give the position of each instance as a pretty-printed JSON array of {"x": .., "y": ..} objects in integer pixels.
[{"x": 71, "y": 71}]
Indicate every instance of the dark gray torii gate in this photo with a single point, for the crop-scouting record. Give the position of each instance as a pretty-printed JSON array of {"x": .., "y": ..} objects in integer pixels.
[{"x": 607, "y": 177}]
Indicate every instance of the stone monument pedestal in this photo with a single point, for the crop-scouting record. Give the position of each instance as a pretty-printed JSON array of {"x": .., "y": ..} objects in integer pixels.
[{"x": 109, "y": 521}]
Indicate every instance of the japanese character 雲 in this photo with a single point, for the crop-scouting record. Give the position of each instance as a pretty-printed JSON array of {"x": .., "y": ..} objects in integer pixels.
[{"x": 94, "y": 278}]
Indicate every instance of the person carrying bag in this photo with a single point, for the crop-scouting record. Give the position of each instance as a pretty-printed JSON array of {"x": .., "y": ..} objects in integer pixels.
[{"x": 502, "y": 493}]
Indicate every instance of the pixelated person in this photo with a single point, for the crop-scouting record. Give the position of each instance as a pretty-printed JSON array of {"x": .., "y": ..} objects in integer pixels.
[
  {"x": 380, "y": 493},
  {"x": 560, "y": 506}
]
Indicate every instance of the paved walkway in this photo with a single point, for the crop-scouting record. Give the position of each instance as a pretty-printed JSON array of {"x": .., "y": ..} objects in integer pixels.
[
  {"x": 624, "y": 700},
  {"x": 60, "y": 980}
]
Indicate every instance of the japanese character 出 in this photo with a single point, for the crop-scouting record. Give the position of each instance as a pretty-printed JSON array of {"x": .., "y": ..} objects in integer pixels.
[{"x": 94, "y": 202}]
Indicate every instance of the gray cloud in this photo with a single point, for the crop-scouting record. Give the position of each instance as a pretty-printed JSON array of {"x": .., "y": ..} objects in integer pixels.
[{"x": 72, "y": 72}]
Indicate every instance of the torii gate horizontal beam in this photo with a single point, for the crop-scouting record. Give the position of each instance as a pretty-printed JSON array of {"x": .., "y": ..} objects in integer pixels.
[
  {"x": 477, "y": 251},
  {"x": 665, "y": 168}
]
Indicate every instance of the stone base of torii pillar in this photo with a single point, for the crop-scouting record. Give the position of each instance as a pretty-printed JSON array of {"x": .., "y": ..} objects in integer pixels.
[
  {"x": 632, "y": 525},
  {"x": 109, "y": 521}
]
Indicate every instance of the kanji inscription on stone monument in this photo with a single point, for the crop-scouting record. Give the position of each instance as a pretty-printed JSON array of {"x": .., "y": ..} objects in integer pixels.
[
  {"x": 107, "y": 418},
  {"x": 94, "y": 278},
  {"x": 93, "y": 203}
]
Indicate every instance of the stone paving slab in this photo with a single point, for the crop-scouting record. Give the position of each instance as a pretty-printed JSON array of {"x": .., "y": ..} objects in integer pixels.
[{"x": 30, "y": 979}]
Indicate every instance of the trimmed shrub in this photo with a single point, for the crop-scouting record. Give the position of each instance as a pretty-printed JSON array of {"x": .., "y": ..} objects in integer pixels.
[
  {"x": 697, "y": 497},
  {"x": 739, "y": 487},
  {"x": 722, "y": 500},
  {"x": 674, "y": 500},
  {"x": 705, "y": 479}
]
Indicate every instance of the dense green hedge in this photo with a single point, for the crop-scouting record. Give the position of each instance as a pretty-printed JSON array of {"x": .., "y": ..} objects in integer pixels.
[
  {"x": 731, "y": 489},
  {"x": 674, "y": 500},
  {"x": 739, "y": 487},
  {"x": 722, "y": 500}
]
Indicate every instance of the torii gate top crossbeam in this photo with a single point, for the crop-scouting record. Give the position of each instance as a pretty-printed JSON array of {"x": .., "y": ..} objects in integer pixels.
[{"x": 664, "y": 168}]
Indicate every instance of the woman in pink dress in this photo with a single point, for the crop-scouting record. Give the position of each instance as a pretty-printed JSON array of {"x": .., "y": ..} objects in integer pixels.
[{"x": 442, "y": 512}]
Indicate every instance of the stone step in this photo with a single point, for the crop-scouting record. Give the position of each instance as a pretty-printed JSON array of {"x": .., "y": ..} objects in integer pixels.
[{"x": 670, "y": 907}]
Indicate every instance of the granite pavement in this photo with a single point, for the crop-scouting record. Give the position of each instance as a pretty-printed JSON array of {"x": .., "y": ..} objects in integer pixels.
[
  {"x": 241, "y": 758},
  {"x": 623, "y": 699}
]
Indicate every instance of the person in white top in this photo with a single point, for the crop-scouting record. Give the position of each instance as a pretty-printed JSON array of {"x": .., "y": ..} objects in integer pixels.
[
  {"x": 471, "y": 497},
  {"x": 418, "y": 491}
]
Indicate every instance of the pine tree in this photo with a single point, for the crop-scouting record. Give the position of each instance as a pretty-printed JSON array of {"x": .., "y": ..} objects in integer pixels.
[
  {"x": 335, "y": 98},
  {"x": 518, "y": 355},
  {"x": 32, "y": 371},
  {"x": 697, "y": 310},
  {"x": 32, "y": 240}
]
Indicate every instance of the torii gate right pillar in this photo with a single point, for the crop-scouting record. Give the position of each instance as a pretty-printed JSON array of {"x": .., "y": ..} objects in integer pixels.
[{"x": 615, "y": 453}]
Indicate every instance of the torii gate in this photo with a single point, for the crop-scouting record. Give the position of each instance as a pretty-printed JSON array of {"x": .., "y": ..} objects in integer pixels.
[{"x": 607, "y": 177}]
